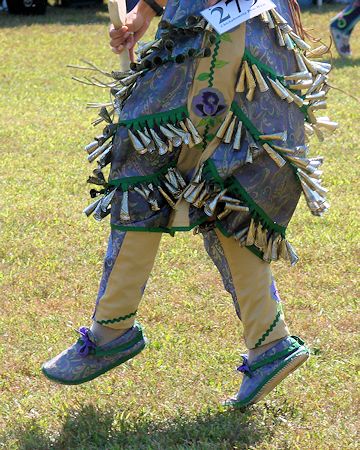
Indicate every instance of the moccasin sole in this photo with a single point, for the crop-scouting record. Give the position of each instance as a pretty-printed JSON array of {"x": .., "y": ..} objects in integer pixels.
[
  {"x": 280, "y": 376},
  {"x": 297, "y": 359}
]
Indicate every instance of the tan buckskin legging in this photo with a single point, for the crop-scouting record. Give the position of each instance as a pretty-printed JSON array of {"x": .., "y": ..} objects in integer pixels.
[{"x": 245, "y": 276}]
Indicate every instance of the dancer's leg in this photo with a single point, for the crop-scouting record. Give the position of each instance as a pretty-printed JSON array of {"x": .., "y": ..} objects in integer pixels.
[
  {"x": 250, "y": 282},
  {"x": 127, "y": 266},
  {"x": 114, "y": 337},
  {"x": 273, "y": 354}
]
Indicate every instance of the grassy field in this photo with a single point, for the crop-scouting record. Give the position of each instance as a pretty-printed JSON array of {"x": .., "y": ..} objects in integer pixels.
[{"x": 51, "y": 260}]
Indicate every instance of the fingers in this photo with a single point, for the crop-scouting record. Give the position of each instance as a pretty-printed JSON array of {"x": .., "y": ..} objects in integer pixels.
[
  {"x": 126, "y": 41},
  {"x": 120, "y": 39},
  {"x": 118, "y": 36},
  {"x": 116, "y": 32}
]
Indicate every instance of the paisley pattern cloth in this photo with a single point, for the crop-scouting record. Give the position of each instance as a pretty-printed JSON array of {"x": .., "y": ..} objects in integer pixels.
[{"x": 211, "y": 131}]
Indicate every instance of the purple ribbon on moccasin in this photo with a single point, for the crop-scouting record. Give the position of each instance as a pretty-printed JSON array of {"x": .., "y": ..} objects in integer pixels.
[
  {"x": 87, "y": 341},
  {"x": 245, "y": 368}
]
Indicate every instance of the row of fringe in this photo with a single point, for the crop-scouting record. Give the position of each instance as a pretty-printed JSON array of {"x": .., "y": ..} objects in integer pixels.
[{"x": 307, "y": 88}]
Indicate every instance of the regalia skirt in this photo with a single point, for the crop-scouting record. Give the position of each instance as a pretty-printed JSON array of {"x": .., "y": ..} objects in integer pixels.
[{"x": 209, "y": 130}]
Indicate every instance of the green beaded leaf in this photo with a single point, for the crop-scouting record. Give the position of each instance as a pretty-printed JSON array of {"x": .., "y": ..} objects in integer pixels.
[
  {"x": 220, "y": 64},
  {"x": 203, "y": 76}
]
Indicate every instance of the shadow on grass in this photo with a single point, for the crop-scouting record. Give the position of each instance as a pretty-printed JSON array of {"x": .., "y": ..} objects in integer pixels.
[
  {"x": 56, "y": 15},
  {"x": 89, "y": 428}
]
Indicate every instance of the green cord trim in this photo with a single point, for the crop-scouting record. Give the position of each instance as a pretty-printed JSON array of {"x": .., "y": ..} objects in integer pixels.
[
  {"x": 211, "y": 84},
  {"x": 118, "y": 319},
  {"x": 269, "y": 330},
  {"x": 154, "y": 178},
  {"x": 168, "y": 230},
  {"x": 172, "y": 115},
  {"x": 252, "y": 248},
  {"x": 234, "y": 186}
]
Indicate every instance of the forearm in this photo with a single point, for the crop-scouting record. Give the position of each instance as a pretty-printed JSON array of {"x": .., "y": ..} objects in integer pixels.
[{"x": 147, "y": 11}]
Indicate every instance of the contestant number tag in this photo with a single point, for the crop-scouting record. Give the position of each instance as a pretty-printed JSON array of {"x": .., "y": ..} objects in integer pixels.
[{"x": 228, "y": 14}]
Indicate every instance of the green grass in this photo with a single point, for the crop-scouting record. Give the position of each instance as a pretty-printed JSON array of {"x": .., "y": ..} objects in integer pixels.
[{"x": 51, "y": 260}]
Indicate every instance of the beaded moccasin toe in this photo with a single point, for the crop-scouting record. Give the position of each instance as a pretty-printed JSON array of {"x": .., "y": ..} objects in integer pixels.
[
  {"x": 85, "y": 360},
  {"x": 268, "y": 370}
]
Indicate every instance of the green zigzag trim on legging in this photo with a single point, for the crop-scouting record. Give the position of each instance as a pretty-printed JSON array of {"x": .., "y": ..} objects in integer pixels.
[
  {"x": 270, "y": 329},
  {"x": 118, "y": 319}
]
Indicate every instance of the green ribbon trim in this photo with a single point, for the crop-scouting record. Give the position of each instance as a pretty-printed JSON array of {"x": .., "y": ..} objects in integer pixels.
[
  {"x": 155, "y": 178},
  {"x": 279, "y": 355},
  {"x": 255, "y": 133},
  {"x": 161, "y": 118},
  {"x": 235, "y": 187},
  {"x": 255, "y": 209},
  {"x": 168, "y": 230},
  {"x": 173, "y": 230},
  {"x": 121, "y": 348},
  {"x": 246, "y": 401},
  {"x": 251, "y": 59},
  {"x": 98, "y": 373},
  {"x": 252, "y": 248}
]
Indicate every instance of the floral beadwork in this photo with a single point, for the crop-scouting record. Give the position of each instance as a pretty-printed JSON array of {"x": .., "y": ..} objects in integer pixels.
[{"x": 209, "y": 102}]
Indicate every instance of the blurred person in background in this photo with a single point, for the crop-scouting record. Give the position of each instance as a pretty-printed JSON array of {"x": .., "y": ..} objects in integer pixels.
[{"x": 342, "y": 25}]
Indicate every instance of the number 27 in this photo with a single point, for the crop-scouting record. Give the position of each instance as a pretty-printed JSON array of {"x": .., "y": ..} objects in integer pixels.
[{"x": 220, "y": 10}]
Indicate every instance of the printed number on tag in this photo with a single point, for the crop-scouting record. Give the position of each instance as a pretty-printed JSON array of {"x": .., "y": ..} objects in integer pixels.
[{"x": 228, "y": 14}]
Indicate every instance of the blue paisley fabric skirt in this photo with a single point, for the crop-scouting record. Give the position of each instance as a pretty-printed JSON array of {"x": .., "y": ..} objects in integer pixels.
[{"x": 212, "y": 128}]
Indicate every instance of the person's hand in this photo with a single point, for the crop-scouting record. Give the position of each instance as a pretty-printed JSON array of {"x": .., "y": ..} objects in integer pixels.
[{"x": 137, "y": 22}]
